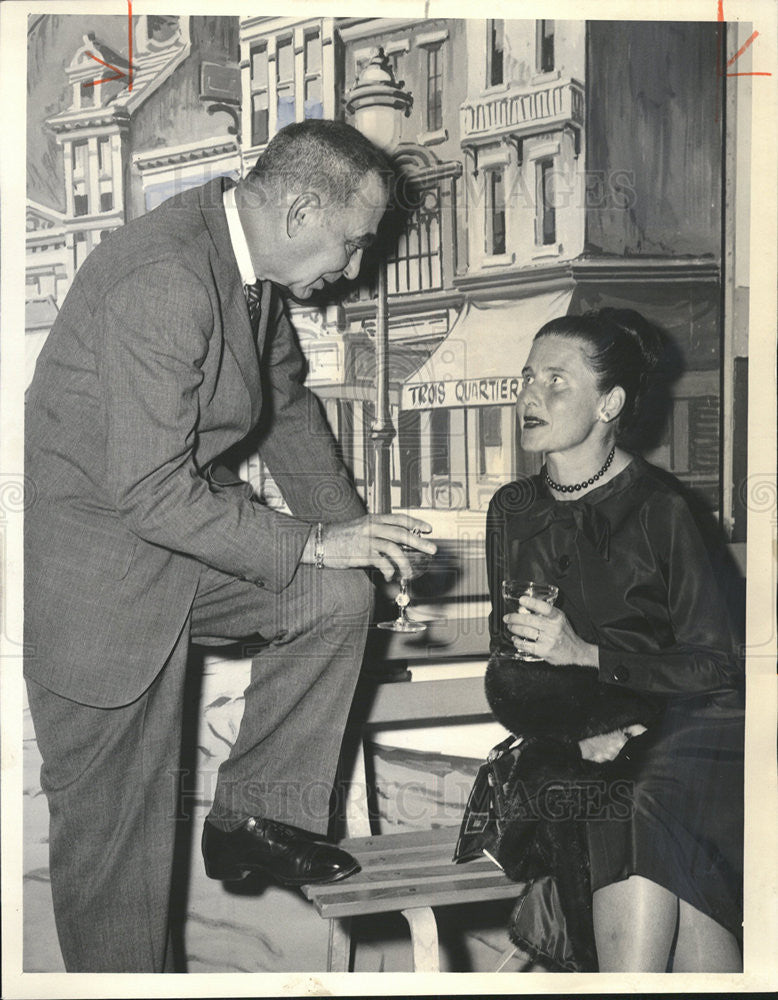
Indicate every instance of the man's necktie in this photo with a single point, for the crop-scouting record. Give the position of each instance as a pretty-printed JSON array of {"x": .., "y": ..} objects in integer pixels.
[{"x": 254, "y": 299}]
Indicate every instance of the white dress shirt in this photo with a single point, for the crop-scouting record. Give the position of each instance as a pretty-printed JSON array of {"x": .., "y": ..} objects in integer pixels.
[{"x": 238, "y": 240}]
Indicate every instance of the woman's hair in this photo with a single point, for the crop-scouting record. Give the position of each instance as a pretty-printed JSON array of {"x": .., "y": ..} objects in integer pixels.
[{"x": 621, "y": 346}]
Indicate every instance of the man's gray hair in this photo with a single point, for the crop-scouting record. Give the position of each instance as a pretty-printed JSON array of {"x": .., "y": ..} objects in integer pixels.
[{"x": 328, "y": 157}]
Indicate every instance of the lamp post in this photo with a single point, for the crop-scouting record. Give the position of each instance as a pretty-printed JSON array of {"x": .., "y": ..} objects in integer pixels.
[{"x": 377, "y": 101}]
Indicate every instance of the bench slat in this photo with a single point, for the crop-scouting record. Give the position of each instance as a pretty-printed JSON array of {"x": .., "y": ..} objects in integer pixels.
[
  {"x": 399, "y": 897},
  {"x": 419, "y": 858},
  {"x": 401, "y": 841},
  {"x": 386, "y": 876},
  {"x": 452, "y": 698}
]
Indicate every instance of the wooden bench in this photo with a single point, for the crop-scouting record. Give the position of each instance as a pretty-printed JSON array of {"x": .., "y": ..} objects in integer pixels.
[{"x": 410, "y": 873}]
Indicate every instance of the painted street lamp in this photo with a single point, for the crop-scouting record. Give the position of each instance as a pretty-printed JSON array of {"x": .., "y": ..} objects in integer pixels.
[{"x": 378, "y": 101}]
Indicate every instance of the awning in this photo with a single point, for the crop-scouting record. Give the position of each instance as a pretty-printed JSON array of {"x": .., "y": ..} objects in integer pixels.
[{"x": 480, "y": 361}]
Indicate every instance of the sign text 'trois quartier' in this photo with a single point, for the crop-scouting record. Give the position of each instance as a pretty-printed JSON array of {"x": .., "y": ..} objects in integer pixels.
[{"x": 461, "y": 392}]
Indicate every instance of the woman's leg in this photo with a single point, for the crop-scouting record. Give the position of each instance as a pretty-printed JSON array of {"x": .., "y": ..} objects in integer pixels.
[
  {"x": 703, "y": 945},
  {"x": 635, "y": 921}
]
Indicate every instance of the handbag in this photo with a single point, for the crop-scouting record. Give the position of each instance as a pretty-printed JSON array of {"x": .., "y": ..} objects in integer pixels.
[
  {"x": 504, "y": 820},
  {"x": 487, "y": 804}
]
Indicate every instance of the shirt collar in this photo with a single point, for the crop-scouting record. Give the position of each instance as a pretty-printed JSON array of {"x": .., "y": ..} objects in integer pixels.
[{"x": 238, "y": 240}]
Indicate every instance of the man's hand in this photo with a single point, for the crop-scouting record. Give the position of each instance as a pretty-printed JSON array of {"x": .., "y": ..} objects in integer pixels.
[
  {"x": 607, "y": 746},
  {"x": 373, "y": 540}
]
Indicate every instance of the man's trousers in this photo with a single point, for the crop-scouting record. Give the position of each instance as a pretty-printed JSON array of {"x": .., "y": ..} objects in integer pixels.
[{"x": 111, "y": 776}]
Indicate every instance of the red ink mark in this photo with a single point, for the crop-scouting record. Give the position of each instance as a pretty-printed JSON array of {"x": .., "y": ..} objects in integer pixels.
[
  {"x": 129, "y": 41},
  {"x": 721, "y": 72},
  {"x": 738, "y": 54},
  {"x": 741, "y": 50},
  {"x": 118, "y": 73},
  {"x": 104, "y": 79}
]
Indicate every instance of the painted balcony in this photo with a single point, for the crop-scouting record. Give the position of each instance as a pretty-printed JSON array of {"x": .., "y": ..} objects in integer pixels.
[{"x": 517, "y": 112}]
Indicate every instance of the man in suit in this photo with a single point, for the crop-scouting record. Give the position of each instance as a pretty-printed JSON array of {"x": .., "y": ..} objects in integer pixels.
[{"x": 172, "y": 345}]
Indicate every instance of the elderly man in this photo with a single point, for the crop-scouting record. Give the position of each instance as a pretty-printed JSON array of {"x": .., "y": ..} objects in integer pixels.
[{"x": 171, "y": 346}]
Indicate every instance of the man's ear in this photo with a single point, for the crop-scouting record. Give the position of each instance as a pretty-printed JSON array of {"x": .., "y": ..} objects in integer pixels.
[{"x": 300, "y": 211}]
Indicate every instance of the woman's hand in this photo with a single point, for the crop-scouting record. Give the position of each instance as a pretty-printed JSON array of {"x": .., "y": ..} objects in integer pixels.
[
  {"x": 607, "y": 746},
  {"x": 544, "y": 631}
]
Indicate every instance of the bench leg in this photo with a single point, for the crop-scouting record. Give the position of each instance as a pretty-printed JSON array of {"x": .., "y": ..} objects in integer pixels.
[
  {"x": 424, "y": 939},
  {"x": 339, "y": 950}
]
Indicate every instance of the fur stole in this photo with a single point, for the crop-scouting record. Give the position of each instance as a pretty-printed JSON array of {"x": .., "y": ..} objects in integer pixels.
[{"x": 536, "y": 699}]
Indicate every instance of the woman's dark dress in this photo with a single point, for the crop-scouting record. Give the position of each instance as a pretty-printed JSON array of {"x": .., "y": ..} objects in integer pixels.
[{"x": 635, "y": 578}]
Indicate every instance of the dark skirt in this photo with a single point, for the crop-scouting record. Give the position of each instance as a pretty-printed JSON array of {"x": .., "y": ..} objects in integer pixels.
[{"x": 683, "y": 828}]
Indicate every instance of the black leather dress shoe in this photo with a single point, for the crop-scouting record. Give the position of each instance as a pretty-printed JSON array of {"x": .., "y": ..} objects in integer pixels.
[{"x": 290, "y": 855}]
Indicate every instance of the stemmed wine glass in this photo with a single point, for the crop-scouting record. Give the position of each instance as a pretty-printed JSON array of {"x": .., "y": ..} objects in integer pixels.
[{"x": 402, "y": 623}]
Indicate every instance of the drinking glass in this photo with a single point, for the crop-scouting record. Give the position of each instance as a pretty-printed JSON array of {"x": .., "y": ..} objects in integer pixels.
[
  {"x": 402, "y": 623},
  {"x": 512, "y": 590}
]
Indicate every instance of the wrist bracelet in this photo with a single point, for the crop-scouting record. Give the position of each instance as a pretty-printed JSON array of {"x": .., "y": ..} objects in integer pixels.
[{"x": 318, "y": 551}]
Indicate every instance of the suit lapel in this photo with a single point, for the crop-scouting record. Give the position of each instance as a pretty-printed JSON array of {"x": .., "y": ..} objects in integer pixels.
[{"x": 238, "y": 335}]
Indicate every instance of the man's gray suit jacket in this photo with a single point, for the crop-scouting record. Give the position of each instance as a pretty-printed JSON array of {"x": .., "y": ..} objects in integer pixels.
[{"x": 151, "y": 372}]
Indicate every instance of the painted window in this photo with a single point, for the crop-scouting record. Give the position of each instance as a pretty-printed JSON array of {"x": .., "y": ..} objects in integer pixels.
[
  {"x": 434, "y": 121},
  {"x": 80, "y": 249},
  {"x": 285, "y": 82},
  {"x": 104, "y": 173},
  {"x": 495, "y": 211},
  {"x": 259, "y": 101},
  {"x": 416, "y": 265},
  {"x": 313, "y": 104},
  {"x": 544, "y": 48},
  {"x": 495, "y": 73},
  {"x": 545, "y": 220},
  {"x": 440, "y": 459},
  {"x": 409, "y": 437},
  {"x": 80, "y": 178},
  {"x": 161, "y": 28},
  {"x": 490, "y": 453},
  {"x": 88, "y": 95}
]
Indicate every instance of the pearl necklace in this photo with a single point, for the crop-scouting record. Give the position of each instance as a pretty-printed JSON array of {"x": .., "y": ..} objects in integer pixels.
[{"x": 580, "y": 486}]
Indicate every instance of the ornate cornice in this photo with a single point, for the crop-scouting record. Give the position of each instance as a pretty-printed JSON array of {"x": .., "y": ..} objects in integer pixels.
[
  {"x": 515, "y": 282},
  {"x": 354, "y": 29},
  {"x": 275, "y": 24},
  {"x": 44, "y": 217},
  {"x": 158, "y": 159},
  {"x": 73, "y": 121}
]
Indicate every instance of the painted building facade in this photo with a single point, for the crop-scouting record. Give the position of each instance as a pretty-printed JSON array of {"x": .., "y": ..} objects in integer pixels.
[{"x": 552, "y": 170}]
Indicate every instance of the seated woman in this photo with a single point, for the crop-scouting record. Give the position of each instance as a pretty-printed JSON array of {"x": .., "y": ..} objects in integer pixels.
[{"x": 638, "y": 611}]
